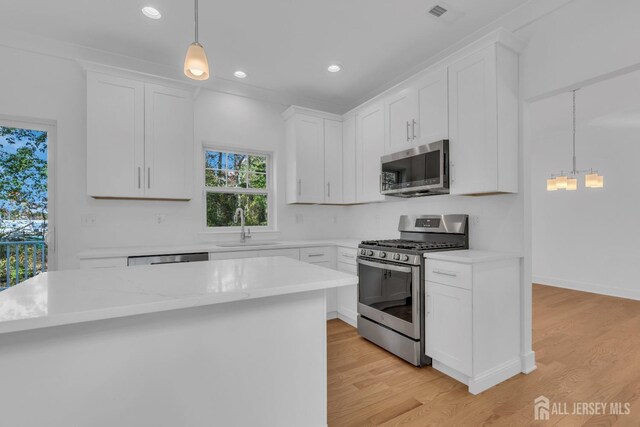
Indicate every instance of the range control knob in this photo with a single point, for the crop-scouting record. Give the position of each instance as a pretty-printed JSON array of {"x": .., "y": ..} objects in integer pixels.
[
  {"x": 370, "y": 253},
  {"x": 363, "y": 251},
  {"x": 396, "y": 256},
  {"x": 405, "y": 257},
  {"x": 382, "y": 254}
]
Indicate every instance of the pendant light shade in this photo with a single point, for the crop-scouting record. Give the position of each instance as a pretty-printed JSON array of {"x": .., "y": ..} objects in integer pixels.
[
  {"x": 569, "y": 181},
  {"x": 196, "y": 66}
]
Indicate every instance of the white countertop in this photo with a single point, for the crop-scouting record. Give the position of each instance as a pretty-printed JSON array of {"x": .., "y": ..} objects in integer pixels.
[
  {"x": 75, "y": 296},
  {"x": 211, "y": 247},
  {"x": 471, "y": 256}
]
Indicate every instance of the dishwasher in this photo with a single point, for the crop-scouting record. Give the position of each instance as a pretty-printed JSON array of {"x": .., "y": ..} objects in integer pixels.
[{"x": 167, "y": 259}]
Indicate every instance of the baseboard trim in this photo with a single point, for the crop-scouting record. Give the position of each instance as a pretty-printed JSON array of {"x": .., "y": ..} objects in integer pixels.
[
  {"x": 348, "y": 320},
  {"x": 332, "y": 315},
  {"x": 528, "y": 362},
  {"x": 456, "y": 375},
  {"x": 495, "y": 376},
  {"x": 588, "y": 287}
]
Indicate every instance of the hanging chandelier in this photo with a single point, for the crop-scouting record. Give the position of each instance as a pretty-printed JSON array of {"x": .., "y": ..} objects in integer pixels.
[
  {"x": 196, "y": 66},
  {"x": 569, "y": 180}
]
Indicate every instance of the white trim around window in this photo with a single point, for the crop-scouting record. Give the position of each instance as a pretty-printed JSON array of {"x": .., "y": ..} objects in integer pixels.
[{"x": 268, "y": 191}]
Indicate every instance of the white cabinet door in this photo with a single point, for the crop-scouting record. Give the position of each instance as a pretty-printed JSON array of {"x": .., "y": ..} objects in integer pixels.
[
  {"x": 401, "y": 110},
  {"x": 370, "y": 147},
  {"x": 433, "y": 105},
  {"x": 115, "y": 136},
  {"x": 307, "y": 154},
  {"x": 349, "y": 160},
  {"x": 168, "y": 143},
  {"x": 448, "y": 326},
  {"x": 333, "y": 161}
]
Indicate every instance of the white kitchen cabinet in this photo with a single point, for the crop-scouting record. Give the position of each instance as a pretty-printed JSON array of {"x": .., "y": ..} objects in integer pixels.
[
  {"x": 483, "y": 122},
  {"x": 472, "y": 317},
  {"x": 310, "y": 136},
  {"x": 370, "y": 147},
  {"x": 448, "y": 326},
  {"x": 115, "y": 136},
  {"x": 349, "y": 160},
  {"x": 417, "y": 113},
  {"x": 168, "y": 147},
  {"x": 347, "y": 296},
  {"x": 139, "y": 139},
  {"x": 233, "y": 255},
  {"x": 333, "y": 161},
  {"x": 401, "y": 111}
]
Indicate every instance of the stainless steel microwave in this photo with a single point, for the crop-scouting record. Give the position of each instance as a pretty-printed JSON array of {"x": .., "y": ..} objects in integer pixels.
[{"x": 419, "y": 171}]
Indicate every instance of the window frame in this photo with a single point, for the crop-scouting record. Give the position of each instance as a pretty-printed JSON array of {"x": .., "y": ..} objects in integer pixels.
[{"x": 268, "y": 191}]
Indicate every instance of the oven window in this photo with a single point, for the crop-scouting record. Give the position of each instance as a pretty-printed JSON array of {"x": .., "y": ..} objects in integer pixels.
[{"x": 385, "y": 290}]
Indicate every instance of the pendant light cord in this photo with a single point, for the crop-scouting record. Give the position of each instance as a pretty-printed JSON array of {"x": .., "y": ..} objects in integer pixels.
[
  {"x": 196, "y": 18},
  {"x": 574, "y": 132}
]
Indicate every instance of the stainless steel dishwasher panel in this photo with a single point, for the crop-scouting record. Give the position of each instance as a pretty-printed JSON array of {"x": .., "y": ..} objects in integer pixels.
[{"x": 167, "y": 259}]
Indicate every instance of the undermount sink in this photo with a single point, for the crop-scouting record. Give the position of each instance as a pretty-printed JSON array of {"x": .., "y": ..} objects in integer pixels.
[{"x": 242, "y": 244}]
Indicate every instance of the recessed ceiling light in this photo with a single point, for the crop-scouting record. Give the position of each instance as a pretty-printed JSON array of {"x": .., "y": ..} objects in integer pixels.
[
  {"x": 334, "y": 68},
  {"x": 240, "y": 74},
  {"x": 151, "y": 12}
]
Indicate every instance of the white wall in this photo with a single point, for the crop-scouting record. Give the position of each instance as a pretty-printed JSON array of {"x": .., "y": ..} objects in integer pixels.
[
  {"x": 588, "y": 239},
  {"x": 40, "y": 86}
]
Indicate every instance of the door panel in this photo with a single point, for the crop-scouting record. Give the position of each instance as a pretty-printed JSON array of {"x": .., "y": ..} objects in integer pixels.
[
  {"x": 401, "y": 111},
  {"x": 115, "y": 136},
  {"x": 333, "y": 161},
  {"x": 168, "y": 143},
  {"x": 370, "y": 140},
  {"x": 433, "y": 123},
  {"x": 309, "y": 134}
]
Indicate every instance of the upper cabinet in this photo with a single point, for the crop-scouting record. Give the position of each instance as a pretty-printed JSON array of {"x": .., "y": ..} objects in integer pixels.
[
  {"x": 349, "y": 160},
  {"x": 139, "y": 139},
  {"x": 314, "y": 156},
  {"x": 370, "y": 130},
  {"x": 483, "y": 122},
  {"x": 417, "y": 112}
]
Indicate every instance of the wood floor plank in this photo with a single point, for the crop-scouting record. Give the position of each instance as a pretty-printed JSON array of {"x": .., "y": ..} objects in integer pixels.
[{"x": 587, "y": 349}]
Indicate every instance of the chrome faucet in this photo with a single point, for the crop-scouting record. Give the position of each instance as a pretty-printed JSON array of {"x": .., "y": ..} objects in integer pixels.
[{"x": 243, "y": 235}]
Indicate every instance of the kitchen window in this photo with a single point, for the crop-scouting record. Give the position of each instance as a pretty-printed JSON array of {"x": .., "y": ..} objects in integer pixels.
[{"x": 235, "y": 179}]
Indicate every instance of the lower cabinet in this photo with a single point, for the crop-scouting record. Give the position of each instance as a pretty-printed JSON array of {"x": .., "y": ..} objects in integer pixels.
[
  {"x": 472, "y": 320},
  {"x": 347, "y": 298}
]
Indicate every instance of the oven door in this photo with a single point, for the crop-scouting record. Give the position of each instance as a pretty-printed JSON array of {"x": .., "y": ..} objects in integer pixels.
[
  {"x": 390, "y": 294},
  {"x": 421, "y": 169}
]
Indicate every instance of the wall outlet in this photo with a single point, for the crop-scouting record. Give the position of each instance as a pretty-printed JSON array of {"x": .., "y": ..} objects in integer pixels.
[
  {"x": 335, "y": 219},
  {"x": 88, "y": 220},
  {"x": 160, "y": 219},
  {"x": 475, "y": 220},
  {"x": 299, "y": 219}
]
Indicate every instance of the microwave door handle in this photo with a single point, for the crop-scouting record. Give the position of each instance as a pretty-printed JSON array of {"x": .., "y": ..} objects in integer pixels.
[{"x": 408, "y": 139}]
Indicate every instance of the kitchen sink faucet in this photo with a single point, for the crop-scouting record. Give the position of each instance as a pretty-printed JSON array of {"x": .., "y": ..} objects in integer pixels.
[{"x": 243, "y": 235}]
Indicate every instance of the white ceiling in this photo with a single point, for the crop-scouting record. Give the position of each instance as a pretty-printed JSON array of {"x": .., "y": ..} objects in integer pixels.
[{"x": 284, "y": 45}]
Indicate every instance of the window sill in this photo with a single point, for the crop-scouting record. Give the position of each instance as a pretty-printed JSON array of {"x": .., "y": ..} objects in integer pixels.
[{"x": 235, "y": 232}]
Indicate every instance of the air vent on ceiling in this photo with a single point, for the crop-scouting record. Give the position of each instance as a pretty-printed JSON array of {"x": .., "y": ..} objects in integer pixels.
[
  {"x": 437, "y": 11},
  {"x": 443, "y": 12}
]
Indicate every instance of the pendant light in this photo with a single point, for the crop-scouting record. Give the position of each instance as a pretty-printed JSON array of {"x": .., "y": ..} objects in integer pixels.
[
  {"x": 196, "y": 66},
  {"x": 569, "y": 181}
]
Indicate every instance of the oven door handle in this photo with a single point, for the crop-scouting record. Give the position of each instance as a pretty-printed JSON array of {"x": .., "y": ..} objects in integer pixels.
[{"x": 385, "y": 266}]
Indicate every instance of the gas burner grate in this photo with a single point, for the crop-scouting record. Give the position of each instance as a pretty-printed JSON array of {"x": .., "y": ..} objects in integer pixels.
[{"x": 412, "y": 244}]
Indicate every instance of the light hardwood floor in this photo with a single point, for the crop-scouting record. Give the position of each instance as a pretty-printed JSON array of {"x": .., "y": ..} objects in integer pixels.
[{"x": 587, "y": 350}]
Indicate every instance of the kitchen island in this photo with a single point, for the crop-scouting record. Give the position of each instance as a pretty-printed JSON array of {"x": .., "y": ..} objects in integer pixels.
[{"x": 230, "y": 343}]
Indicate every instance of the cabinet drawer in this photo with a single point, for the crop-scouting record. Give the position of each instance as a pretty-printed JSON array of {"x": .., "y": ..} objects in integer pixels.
[
  {"x": 449, "y": 273},
  {"x": 315, "y": 255},
  {"x": 347, "y": 255},
  {"x": 289, "y": 253}
]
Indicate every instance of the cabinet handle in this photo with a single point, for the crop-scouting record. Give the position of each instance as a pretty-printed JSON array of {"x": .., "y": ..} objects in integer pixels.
[
  {"x": 299, "y": 187},
  {"x": 148, "y": 177},
  {"x": 408, "y": 131},
  {"x": 413, "y": 128},
  {"x": 348, "y": 256},
  {"x": 446, "y": 273},
  {"x": 314, "y": 255},
  {"x": 328, "y": 189},
  {"x": 138, "y": 176},
  {"x": 428, "y": 305}
]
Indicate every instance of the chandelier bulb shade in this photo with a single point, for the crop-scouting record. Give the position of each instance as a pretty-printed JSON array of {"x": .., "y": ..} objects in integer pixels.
[{"x": 196, "y": 65}]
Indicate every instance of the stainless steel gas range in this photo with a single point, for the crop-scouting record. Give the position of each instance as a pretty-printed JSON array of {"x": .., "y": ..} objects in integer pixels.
[{"x": 391, "y": 287}]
